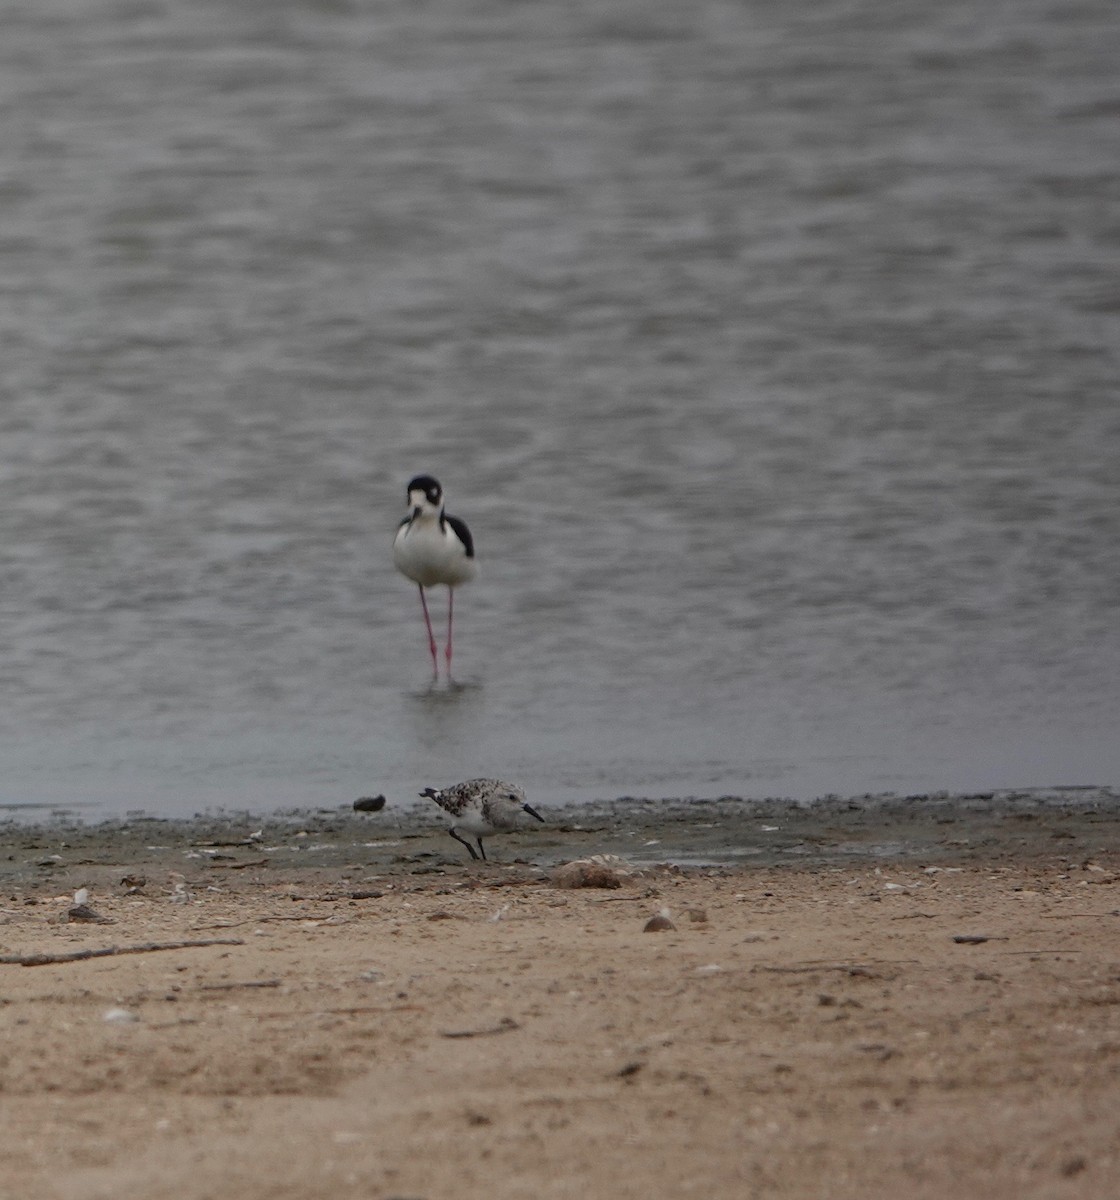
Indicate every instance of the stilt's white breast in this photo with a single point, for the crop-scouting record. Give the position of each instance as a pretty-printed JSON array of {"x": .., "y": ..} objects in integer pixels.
[{"x": 429, "y": 552}]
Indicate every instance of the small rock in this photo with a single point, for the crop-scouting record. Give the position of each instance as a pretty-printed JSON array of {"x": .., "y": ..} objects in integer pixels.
[
  {"x": 369, "y": 804},
  {"x": 877, "y": 1050},
  {"x": 585, "y": 874},
  {"x": 659, "y": 923},
  {"x": 120, "y": 1016},
  {"x": 83, "y": 912}
]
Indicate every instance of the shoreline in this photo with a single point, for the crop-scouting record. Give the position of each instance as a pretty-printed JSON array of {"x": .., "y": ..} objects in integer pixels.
[{"x": 729, "y": 831}]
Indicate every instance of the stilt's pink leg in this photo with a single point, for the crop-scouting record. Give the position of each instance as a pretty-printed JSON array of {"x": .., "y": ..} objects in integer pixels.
[
  {"x": 450, "y": 618},
  {"x": 431, "y": 636}
]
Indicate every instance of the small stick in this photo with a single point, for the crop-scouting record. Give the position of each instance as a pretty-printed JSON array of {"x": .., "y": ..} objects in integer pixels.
[
  {"x": 505, "y": 1025},
  {"x": 302, "y": 917},
  {"x": 329, "y": 897},
  {"x": 356, "y": 1011},
  {"x": 1059, "y": 950},
  {"x": 249, "y": 983},
  {"x": 42, "y": 960},
  {"x": 1069, "y": 916},
  {"x": 852, "y": 968}
]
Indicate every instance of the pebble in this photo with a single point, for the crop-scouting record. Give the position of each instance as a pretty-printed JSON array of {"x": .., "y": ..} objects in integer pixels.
[
  {"x": 120, "y": 1016},
  {"x": 584, "y": 873},
  {"x": 83, "y": 912},
  {"x": 659, "y": 923}
]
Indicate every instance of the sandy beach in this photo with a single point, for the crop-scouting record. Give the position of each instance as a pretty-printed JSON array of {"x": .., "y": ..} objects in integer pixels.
[{"x": 892, "y": 997}]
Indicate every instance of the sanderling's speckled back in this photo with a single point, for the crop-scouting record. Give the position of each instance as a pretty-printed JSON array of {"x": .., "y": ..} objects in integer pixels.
[
  {"x": 430, "y": 548},
  {"x": 481, "y": 807}
]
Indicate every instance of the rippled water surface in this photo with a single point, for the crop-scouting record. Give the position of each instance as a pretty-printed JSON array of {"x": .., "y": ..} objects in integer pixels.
[{"x": 770, "y": 350}]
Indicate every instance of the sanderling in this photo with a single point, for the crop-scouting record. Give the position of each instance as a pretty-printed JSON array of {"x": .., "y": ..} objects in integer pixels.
[
  {"x": 481, "y": 807},
  {"x": 430, "y": 548}
]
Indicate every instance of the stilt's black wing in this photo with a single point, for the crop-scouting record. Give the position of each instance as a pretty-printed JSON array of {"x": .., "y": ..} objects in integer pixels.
[{"x": 462, "y": 533}]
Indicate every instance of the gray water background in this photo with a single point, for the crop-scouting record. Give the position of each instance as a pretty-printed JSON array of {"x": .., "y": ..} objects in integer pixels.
[{"x": 770, "y": 349}]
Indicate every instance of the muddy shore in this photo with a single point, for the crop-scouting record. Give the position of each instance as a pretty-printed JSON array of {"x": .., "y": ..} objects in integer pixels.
[{"x": 694, "y": 831}]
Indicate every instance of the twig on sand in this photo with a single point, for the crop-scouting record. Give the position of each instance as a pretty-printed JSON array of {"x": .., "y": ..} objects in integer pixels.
[
  {"x": 300, "y": 917},
  {"x": 321, "y": 918},
  {"x": 851, "y": 968},
  {"x": 1114, "y": 912},
  {"x": 1049, "y": 950},
  {"x": 42, "y": 960},
  {"x": 326, "y": 897},
  {"x": 505, "y": 1025},
  {"x": 352, "y": 1011},
  {"x": 248, "y": 983}
]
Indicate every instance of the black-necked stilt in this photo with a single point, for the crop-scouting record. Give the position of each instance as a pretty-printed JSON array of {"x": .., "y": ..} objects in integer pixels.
[
  {"x": 431, "y": 548},
  {"x": 481, "y": 807}
]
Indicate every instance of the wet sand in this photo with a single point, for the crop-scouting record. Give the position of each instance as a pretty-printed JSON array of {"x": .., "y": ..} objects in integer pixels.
[{"x": 869, "y": 997}]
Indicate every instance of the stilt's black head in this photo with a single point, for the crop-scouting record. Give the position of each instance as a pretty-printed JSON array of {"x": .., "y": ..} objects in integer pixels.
[{"x": 430, "y": 488}]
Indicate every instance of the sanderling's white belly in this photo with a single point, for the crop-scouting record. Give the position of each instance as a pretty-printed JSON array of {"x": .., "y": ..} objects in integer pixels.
[{"x": 473, "y": 822}]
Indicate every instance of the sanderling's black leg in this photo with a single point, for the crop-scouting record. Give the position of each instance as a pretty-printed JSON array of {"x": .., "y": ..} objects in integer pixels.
[{"x": 465, "y": 843}]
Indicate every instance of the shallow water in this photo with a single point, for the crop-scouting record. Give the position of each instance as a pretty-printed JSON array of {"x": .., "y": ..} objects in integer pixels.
[{"x": 770, "y": 352}]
